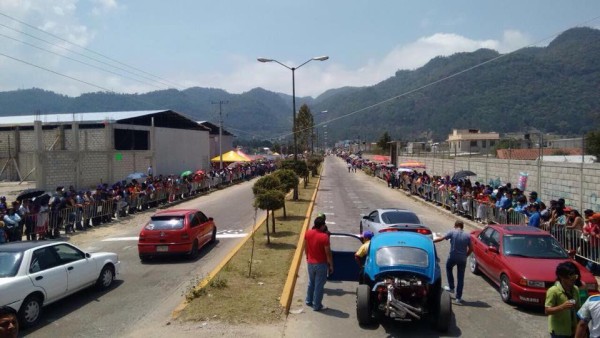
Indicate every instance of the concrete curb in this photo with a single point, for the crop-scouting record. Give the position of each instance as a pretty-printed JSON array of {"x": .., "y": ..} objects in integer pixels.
[{"x": 290, "y": 283}]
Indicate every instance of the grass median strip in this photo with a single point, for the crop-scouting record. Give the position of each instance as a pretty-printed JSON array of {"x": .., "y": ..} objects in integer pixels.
[{"x": 236, "y": 295}]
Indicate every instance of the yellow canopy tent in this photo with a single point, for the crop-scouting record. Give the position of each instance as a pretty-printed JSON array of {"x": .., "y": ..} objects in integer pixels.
[{"x": 231, "y": 156}]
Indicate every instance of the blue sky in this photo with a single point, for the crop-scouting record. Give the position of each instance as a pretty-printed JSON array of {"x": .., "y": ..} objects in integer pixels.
[{"x": 155, "y": 44}]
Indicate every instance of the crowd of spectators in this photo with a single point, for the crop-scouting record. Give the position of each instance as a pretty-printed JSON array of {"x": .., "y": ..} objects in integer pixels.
[
  {"x": 71, "y": 210},
  {"x": 497, "y": 203}
]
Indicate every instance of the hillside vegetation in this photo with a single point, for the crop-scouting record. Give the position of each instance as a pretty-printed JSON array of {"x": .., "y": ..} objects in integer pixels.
[{"x": 553, "y": 89}]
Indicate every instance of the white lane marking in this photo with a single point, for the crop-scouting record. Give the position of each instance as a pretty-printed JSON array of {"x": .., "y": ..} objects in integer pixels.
[
  {"x": 231, "y": 236},
  {"x": 329, "y": 213},
  {"x": 327, "y": 222},
  {"x": 119, "y": 239}
]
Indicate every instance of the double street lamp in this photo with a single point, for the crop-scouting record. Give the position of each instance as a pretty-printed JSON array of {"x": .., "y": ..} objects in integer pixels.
[{"x": 293, "y": 69}]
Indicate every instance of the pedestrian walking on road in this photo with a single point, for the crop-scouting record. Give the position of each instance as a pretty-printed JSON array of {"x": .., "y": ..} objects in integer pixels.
[
  {"x": 563, "y": 301},
  {"x": 460, "y": 249},
  {"x": 320, "y": 263}
]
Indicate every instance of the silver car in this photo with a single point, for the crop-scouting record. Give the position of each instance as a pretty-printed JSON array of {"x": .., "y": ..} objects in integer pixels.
[{"x": 392, "y": 219}]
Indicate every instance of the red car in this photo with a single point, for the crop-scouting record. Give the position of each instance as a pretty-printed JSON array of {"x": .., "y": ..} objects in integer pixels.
[
  {"x": 522, "y": 261},
  {"x": 176, "y": 231}
]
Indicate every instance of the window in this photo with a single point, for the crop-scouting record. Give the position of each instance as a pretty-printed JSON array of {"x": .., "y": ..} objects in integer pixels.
[
  {"x": 495, "y": 239},
  {"x": 68, "y": 254},
  {"x": 194, "y": 221},
  {"x": 10, "y": 263},
  {"x": 373, "y": 217},
  {"x": 473, "y": 143},
  {"x": 485, "y": 235},
  {"x": 43, "y": 259},
  {"x": 129, "y": 139},
  {"x": 203, "y": 218},
  {"x": 395, "y": 217},
  {"x": 401, "y": 255},
  {"x": 165, "y": 223},
  {"x": 492, "y": 143}
]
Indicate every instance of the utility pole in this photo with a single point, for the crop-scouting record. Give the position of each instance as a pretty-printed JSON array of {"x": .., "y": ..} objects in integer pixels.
[{"x": 220, "y": 103}]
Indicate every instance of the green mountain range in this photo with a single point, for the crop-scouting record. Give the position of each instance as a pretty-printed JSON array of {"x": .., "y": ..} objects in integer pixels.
[{"x": 553, "y": 89}]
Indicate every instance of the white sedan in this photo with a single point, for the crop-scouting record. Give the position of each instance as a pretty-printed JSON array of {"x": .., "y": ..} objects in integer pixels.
[{"x": 35, "y": 274}]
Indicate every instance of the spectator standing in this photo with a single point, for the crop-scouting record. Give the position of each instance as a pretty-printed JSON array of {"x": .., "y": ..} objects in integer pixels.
[
  {"x": 150, "y": 171},
  {"x": 11, "y": 222},
  {"x": 535, "y": 217},
  {"x": 589, "y": 318},
  {"x": 460, "y": 249},
  {"x": 563, "y": 301},
  {"x": 2, "y": 233},
  {"x": 319, "y": 261}
]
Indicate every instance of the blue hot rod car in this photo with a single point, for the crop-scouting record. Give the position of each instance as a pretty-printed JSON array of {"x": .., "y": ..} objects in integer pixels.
[{"x": 401, "y": 279}]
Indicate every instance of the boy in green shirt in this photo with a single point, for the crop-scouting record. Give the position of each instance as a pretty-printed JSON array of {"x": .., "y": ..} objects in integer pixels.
[{"x": 562, "y": 302}]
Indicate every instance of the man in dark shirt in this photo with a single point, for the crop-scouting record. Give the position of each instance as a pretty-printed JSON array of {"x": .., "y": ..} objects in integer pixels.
[{"x": 460, "y": 249}]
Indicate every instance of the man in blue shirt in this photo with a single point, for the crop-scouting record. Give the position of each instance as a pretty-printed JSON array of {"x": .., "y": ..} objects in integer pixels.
[
  {"x": 506, "y": 201},
  {"x": 534, "y": 215},
  {"x": 460, "y": 249}
]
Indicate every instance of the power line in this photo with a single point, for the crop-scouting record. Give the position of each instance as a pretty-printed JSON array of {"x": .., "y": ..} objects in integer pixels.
[
  {"x": 437, "y": 81},
  {"x": 57, "y": 73},
  {"x": 89, "y": 50},
  {"x": 79, "y": 61},
  {"x": 80, "y": 54}
]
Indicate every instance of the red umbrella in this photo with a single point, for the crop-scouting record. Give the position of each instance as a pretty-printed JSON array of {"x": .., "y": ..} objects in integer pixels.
[{"x": 199, "y": 172}]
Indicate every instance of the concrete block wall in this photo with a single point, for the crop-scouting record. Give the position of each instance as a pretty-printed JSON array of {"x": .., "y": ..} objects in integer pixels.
[
  {"x": 93, "y": 169},
  {"x": 92, "y": 139},
  {"x": 27, "y": 140},
  {"x": 578, "y": 185},
  {"x": 132, "y": 161},
  {"x": 59, "y": 169}
]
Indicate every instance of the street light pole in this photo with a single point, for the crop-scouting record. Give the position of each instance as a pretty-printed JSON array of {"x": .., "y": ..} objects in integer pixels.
[
  {"x": 220, "y": 132},
  {"x": 293, "y": 69}
]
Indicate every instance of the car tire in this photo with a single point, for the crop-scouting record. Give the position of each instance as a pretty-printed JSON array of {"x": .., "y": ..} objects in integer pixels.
[
  {"x": 106, "y": 278},
  {"x": 213, "y": 238},
  {"x": 445, "y": 312},
  {"x": 473, "y": 265},
  {"x": 143, "y": 258},
  {"x": 30, "y": 311},
  {"x": 363, "y": 305},
  {"x": 505, "y": 292},
  {"x": 195, "y": 251}
]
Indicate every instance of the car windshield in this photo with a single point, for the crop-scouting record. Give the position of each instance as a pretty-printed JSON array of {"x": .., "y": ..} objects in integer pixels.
[
  {"x": 395, "y": 217},
  {"x": 9, "y": 263},
  {"x": 165, "y": 223},
  {"x": 401, "y": 255},
  {"x": 532, "y": 246}
]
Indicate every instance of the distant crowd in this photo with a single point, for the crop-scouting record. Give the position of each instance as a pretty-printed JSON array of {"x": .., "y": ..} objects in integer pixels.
[
  {"x": 68, "y": 209},
  {"x": 497, "y": 203}
]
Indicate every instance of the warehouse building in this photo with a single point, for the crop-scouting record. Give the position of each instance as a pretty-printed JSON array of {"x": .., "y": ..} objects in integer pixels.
[{"x": 84, "y": 149}]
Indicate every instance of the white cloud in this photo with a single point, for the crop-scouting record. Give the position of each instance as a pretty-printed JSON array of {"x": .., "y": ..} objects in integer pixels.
[{"x": 104, "y": 6}]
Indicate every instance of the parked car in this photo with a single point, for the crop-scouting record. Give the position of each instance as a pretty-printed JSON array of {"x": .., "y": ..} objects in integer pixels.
[
  {"x": 522, "y": 261},
  {"x": 176, "y": 231},
  {"x": 401, "y": 279},
  {"x": 35, "y": 274},
  {"x": 391, "y": 219}
]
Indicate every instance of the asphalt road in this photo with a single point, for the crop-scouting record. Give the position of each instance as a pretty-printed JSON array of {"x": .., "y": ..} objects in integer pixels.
[
  {"x": 344, "y": 197},
  {"x": 145, "y": 294}
]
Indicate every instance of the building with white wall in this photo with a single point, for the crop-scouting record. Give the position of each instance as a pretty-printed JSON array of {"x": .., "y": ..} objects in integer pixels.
[
  {"x": 472, "y": 141},
  {"x": 227, "y": 139},
  {"x": 84, "y": 149}
]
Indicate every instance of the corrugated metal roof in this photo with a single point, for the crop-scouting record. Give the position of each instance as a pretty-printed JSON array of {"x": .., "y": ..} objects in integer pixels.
[{"x": 96, "y": 117}]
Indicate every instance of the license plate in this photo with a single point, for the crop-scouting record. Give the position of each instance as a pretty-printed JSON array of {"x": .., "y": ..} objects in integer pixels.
[{"x": 162, "y": 248}]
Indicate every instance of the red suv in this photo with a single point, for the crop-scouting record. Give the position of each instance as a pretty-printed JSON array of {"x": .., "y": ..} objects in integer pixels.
[{"x": 177, "y": 231}]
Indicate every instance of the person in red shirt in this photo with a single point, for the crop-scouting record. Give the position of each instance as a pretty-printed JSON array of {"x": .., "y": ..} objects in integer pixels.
[{"x": 319, "y": 261}]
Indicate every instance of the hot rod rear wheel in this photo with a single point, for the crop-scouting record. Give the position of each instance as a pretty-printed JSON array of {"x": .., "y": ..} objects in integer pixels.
[
  {"x": 445, "y": 312},
  {"x": 363, "y": 305}
]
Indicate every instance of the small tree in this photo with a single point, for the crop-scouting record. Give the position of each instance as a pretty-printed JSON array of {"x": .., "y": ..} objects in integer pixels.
[
  {"x": 300, "y": 168},
  {"x": 592, "y": 144},
  {"x": 384, "y": 142},
  {"x": 314, "y": 161},
  {"x": 269, "y": 200},
  {"x": 289, "y": 180},
  {"x": 265, "y": 183}
]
